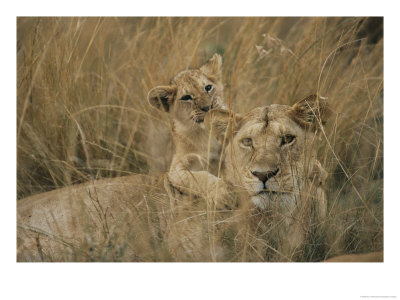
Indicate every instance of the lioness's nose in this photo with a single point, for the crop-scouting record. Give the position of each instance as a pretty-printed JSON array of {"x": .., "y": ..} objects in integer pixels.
[
  {"x": 264, "y": 176},
  {"x": 206, "y": 108}
]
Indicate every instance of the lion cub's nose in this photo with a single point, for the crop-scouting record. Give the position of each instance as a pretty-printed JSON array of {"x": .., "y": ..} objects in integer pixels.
[
  {"x": 264, "y": 176},
  {"x": 206, "y": 108}
]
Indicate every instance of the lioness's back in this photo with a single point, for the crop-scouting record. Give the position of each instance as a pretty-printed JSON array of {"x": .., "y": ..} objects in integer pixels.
[{"x": 52, "y": 224}]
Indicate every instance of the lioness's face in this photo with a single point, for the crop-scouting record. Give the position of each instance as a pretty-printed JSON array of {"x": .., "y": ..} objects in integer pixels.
[
  {"x": 191, "y": 93},
  {"x": 270, "y": 152}
]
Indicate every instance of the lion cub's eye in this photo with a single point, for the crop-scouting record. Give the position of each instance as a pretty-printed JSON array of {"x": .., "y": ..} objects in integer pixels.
[
  {"x": 248, "y": 142},
  {"x": 287, "y": 139},
  {"x": 208, "y": 88},
  {"x": 186, "y": 98}
]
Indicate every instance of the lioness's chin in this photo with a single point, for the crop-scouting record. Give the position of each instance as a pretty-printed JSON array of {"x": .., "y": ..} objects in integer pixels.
[
  {"x": 263, "y": 201},
  {"x": 271, "y": 200}
]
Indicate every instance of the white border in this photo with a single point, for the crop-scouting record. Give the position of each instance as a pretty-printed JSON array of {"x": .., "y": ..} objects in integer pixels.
[
  {"x": 195, "y": 281},
  {"x": 199, "y": 8}
]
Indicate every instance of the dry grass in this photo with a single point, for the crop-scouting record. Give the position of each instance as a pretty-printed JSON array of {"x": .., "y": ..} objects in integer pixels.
[{"x": 82, "y": 110}]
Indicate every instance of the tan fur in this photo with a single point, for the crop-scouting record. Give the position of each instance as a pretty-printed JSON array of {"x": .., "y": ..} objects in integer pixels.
[
  {"x": 365, "y": 257},
  {"x": 52, "y": 225},
  {"x": 296, "y": 177},
  {"x": 195, "y": 160}
]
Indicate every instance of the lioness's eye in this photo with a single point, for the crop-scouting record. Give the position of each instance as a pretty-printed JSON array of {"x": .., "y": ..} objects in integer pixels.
[
  {"x": 208, "y": 87},
  {"x": 287, "y": 139},
  {"x": 186, "y": 98},
  {"x": 248, "y": 142}
]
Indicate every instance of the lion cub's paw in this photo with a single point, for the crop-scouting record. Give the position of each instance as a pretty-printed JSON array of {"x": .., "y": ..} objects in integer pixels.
[{"x": 220, "y": 195}]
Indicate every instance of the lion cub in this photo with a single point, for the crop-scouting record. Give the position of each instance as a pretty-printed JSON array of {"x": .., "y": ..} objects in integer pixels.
[{"x": 187, "y": 99}]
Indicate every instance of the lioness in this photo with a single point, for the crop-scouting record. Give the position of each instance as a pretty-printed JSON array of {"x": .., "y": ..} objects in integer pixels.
[
  {"x": 187, "y": 99},
  {"x": 269, "y": 154}
]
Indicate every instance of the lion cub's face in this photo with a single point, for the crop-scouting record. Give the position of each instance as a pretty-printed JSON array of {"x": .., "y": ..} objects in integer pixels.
[
  {"x": 270, "y": 150},
  {"x": 191, "y": 93}
]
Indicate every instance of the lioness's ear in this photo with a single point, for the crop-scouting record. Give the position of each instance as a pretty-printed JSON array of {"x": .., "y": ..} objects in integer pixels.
[
  {"x": 213, "y": 65},
  {"x": 162, "y": 97},
  {"x": 218, "y": 122},
  {"x": 311, "y": 112}
]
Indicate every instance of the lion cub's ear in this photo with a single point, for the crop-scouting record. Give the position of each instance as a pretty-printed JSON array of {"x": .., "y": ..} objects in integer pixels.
[
  {"x": 311, "y": 112},
  {"x": 213, "y": 65},
  {"x": 218, "y": 122},
  {"x": 162, "y": 97}
]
